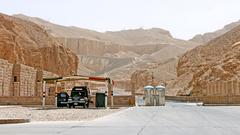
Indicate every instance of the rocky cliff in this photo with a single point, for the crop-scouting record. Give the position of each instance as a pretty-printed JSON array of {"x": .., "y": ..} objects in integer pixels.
[
  {"x": 91, "y": 47},
  {"x": 216, "y": 60},
  {"x": 204, "y": 38},
  {"x": 26, "y": 43}
]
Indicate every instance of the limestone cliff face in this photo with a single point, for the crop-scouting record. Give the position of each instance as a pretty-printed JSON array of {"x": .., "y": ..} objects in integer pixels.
[
  {"x": 91, "y": 47},
  {"x": 142, "y": 78},
  {"x": 219, "y": 59},
  {"x": 206, "y": 37},
  {"x": 27, "y": 43},
  {"x": 139, "y": 79}
]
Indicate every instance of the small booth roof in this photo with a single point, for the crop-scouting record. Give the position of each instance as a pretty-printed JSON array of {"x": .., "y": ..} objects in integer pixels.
[
  {"x": 148, "y": 87},
  {"x": 160, "y": 87}
]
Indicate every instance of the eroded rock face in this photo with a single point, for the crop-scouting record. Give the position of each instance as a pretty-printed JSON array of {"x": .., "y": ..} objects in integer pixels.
[
  {"x": 142, "y": 78},
  {"x": 219, "y": 59},
  {"x": 27, "y": 43},
  {"x": 206, "y": 37}
]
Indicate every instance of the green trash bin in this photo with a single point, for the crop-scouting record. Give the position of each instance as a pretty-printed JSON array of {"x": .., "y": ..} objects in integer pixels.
[{"x": 100, "y": 99}]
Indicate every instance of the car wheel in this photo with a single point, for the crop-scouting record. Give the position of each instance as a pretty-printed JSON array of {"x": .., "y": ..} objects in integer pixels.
[
  {"x": 84, "y": 106},
  {"x": 58, "y": 104}
]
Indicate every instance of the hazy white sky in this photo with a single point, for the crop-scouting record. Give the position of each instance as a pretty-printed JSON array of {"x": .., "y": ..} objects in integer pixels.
[{"x": 183, "y": 18}]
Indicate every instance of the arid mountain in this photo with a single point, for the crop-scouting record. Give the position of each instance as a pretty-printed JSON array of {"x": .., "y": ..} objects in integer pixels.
[
  {"x": 63, "y": 31},
  {"x": 211, "y": 35},
  {"x": 26, "y": 43},
  {"x": 144, "y": 36},
  {"x": 124, "y": 37},
  {"x": 119, "y": 54},
  {"x": 216, "y": 60}
]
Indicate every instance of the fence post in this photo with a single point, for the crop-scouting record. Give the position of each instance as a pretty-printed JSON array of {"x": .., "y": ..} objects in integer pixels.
[
  {"x": 43, "y": 95},
  {"x": 55, "y": 94},
  {"x": 238, "y": 85},
  {"x": 110, "y": 93},
  {"x": 2, "y": 83}
]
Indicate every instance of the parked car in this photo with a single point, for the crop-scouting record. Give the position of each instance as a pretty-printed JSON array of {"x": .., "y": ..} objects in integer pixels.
[
  {"x": 80, "y": 96},
  {"x": 62, "y": 99}
]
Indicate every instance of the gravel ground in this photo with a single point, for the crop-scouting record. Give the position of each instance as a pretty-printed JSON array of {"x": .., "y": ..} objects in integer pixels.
[{"x": 62, "y": 114}]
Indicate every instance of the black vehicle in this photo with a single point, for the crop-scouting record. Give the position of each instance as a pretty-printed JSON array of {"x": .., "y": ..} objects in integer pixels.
[
  {"x": 80, "y": 96},
  {"x": 62, "y": 99}
]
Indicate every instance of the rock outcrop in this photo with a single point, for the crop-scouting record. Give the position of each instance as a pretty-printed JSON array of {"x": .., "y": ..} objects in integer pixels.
[
  {"x": 204, "y": 38},
  {"x": 90, "y": 47},
  {"x": 26, "y": 43},
  {"x": 217, "y": 60}
]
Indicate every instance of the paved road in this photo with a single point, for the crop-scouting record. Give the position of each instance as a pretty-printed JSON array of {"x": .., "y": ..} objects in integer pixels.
[{"x": 173, "y": 119}]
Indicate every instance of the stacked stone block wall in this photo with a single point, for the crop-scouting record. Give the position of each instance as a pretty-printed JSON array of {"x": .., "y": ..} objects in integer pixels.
[
  {"x": 222, "y": 92},
  {"x": 27, "y": 81},
  {"x": 21, "y": 80},
  {"x": 223, "y": 88},
  {"x": 26, "y": 100},
  {"x": 5, "y": 78}
]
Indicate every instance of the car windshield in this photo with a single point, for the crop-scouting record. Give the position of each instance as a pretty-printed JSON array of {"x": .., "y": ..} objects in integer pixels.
[
  {"x": 78, "y": 93},
  {"x": 63, "y": 95},
  {"x": 75, "y": 93}
]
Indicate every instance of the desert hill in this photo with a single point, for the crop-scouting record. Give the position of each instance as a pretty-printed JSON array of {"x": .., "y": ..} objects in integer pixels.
[
  {"x": 216, "y": 60},
  {"x": 26, "y": 43},
  {"x": 124, "y": 37}
]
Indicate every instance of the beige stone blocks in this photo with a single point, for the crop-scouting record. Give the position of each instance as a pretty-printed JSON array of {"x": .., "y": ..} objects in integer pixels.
[
  {"x": 223, "y": 88},
  {"x": 5, "y": 78},
  {"x": 21, "y": 80},
  {"x": 27, "y": 81}
]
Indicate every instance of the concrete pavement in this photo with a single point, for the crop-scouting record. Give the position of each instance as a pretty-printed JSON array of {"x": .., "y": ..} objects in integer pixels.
[{"x": 172, "y": 119}]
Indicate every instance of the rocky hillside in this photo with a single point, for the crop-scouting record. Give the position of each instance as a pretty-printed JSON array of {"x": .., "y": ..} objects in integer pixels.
[
  {"x": 211, "y": 35},
  {"x": 121, "y": 55},
  {"x": 218, "y": 59},
  {"x": 63, "y": 31},
  {"x": 124, "y": 37},
  {"x": 136, "y": 44},
  {"x": 144, "y": 36},
  {"x": 26, "y": 43},
  {"x": 90, "y": 47}
]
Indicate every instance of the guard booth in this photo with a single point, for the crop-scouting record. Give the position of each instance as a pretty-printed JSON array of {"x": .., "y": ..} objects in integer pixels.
[
  {"x": 159, "y": 95},
  {"x": 148, "y": 95},
  {"x": 55, "y": 80}
]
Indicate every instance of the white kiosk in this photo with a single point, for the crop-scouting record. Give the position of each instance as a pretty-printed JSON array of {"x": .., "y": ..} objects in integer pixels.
[
  {"x": 149, "y": 91},
  {"x": 160, "y": 95}
]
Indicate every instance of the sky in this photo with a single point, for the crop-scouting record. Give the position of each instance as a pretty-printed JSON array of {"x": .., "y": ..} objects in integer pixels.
[{"x": 183, "y": 18}]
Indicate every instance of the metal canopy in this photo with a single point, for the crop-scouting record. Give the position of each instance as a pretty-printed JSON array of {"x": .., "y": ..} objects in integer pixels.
[
  {"x": 77, "y": 77},
  {"x": 148, "y": 87}
]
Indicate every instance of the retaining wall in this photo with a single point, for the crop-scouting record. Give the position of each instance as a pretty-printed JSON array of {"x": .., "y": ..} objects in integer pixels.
[
  {"x": 25, "y": 100},
  {"x": 222, "y": 92},
  {"x": 21, "y": 80},
  {"x": 184, "y": 98}
]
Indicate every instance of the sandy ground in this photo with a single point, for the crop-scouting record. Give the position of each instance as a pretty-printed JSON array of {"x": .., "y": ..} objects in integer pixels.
[{"x": 62, "y": 114}]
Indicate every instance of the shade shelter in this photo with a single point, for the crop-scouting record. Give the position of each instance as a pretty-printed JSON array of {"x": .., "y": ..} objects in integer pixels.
[{"x": 55, "y": 80}]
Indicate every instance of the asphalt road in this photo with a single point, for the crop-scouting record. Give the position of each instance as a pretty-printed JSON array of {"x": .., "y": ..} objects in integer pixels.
[{"x": 172, "y": 119}]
